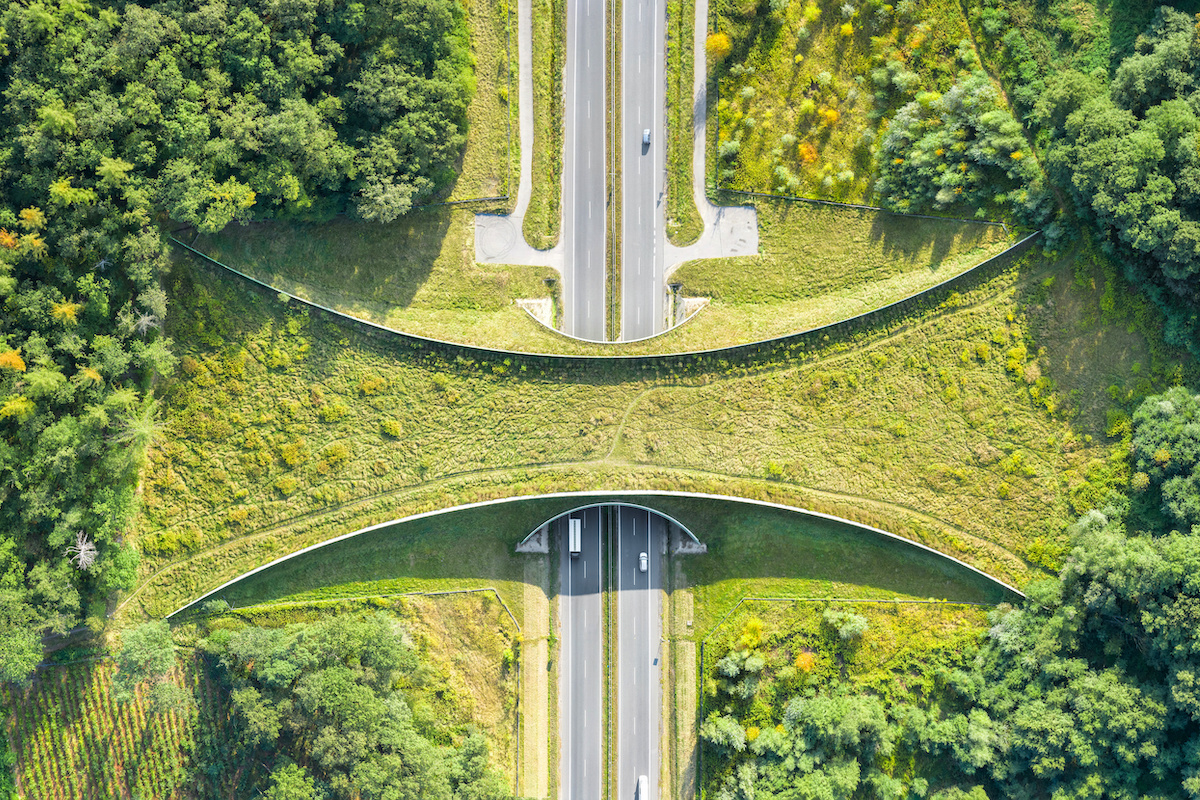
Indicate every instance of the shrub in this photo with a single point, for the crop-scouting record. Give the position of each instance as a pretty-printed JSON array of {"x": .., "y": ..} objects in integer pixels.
[
  {"x": 333, "y": 412},
  {"x": 718, "y": 46},
  {"x": 848, "y": 625},
  {"x": 391, "y": 427}
]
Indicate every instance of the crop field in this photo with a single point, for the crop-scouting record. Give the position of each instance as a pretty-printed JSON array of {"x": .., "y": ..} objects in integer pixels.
[
  {"x": 72, "y": 741},
  {"x": 980, "y": 428},
  {"x": 800, "y": 108}
]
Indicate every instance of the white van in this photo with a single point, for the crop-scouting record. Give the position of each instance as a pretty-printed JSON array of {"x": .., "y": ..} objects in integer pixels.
[{"x": 643, "y": 790}]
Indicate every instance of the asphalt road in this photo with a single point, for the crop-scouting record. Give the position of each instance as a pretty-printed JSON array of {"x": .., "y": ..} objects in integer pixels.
[
  {"x": 584, "y": 193},
  {"x": 639, "y": 650},
  {"x": 643, "y": 98},
  {"x": 581, "y": 668}
]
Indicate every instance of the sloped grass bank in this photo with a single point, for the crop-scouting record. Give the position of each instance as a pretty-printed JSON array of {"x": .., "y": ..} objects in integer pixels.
[{"x": 819, "y": 265}]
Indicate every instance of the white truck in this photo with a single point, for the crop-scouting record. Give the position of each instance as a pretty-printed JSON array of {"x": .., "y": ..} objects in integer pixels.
[{"x": 575, "y": 536}]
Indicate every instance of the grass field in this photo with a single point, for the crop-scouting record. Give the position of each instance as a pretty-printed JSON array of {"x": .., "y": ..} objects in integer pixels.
[
  {"x": 800, "y": 109},
  {"x": 72, "y": 741},
  {"x": 979, "y": 428}
]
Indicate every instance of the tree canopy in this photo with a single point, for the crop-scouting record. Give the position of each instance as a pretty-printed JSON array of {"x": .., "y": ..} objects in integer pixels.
[
  {"x": 1128, "y": 155},
  {"x": 316, "y": 712},
  {"x": 1088, "y": 689}
]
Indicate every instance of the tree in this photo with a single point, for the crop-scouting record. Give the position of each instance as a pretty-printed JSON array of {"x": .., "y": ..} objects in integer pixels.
[
  {"x": 718, "y": 46},
  {"x": 146, "y": 656}
]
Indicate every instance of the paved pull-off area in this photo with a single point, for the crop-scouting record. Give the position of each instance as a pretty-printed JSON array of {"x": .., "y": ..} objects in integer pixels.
[{"x": 647, "y": 259}]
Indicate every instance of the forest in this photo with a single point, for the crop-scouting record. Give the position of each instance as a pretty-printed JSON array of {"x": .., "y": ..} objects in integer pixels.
[{"x": 123, "y": 121}]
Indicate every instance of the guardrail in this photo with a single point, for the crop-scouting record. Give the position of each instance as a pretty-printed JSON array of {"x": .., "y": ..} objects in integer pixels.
[{"x": 774, "y": 347}]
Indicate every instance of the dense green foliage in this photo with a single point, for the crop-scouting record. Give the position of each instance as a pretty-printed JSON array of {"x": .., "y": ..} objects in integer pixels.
[
  {"x": 224, "y": 111},
  {"x": 318, "y": 710},
  {"x": 961, "y": 148},
  {"x": 78, "y": 339},
  {"x": 1089, "y": 689},
  {"x": 116, "y": 118},
  {"x": 1128, "y": 155}
]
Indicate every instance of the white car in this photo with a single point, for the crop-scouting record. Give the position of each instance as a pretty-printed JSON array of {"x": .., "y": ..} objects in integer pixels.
[
  {"x": 643, "y": 562},
  {"x": 646, "y": 136}
]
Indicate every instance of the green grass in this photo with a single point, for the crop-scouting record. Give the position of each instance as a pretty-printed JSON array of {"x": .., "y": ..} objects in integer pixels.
[
  {"x": 487, "y": 162},
  {"x": 979, "y": 428},
  {"x": 684, "y": 225},
  {"x": 544, "y": 215},
  {"x": 767, "y": 552},
  {"x": 797, "y": 74},
  {"x": 419, "y": 275}
]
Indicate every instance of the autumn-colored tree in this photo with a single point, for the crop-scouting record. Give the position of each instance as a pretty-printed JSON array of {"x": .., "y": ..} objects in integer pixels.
[
  {"x": 718, "y": 46},
  {"x": 12, "y": 360}
]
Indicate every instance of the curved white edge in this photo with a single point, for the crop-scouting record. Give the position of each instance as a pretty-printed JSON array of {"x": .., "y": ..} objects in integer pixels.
[
  {"x": 601, "y": 493},
  {"x": 474, "y": 348},
  {"x": 556, "y": 331},
  {"x": 655, "y": 511}
]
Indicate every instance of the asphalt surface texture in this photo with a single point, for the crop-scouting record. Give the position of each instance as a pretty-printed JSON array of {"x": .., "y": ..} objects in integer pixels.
[
  {"x": 584, "y": 190},
  {"x": 581, "y": 667},
  {"x": 639, "y": 650},
  {"x": 643, "y": 98}
]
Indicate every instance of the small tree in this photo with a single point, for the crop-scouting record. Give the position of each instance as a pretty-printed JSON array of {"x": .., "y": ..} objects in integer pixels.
[
  {"x": 718, "y": 46},
  {"x": 147, "y": 655}
]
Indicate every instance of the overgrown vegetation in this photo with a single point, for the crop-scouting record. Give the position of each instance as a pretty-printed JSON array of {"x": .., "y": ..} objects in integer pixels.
[
  {"x": 318, "y": 710},
  {"x": 1108, "y": 711},
  {"x": 806, "y": 87},
  {"x": 544, "y": 216},
  {"x": 800, "y": 697}
]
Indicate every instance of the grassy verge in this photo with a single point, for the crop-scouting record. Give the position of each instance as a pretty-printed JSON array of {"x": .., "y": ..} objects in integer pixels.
[
  {"x": 819, "y": 265},
  {"x": 488, "y": 162},
  {"x": 800, "y": 108},
  {"x": 980, "y": 428},
  {"x": 544, "y": 216},
  {"x": 684, "y": 225}
]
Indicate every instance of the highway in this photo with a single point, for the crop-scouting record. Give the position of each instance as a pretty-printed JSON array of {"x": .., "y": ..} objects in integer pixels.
[
  {"x": 639, "y": 650},
  {"x": 585, "y": 229},
  {"x": 643, "y": 99},
  {"x": 581, "y": 667}
]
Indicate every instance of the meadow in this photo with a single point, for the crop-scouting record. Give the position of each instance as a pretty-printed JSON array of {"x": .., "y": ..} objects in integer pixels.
[
  {"x": 819, "y": 264},
  {"x": 805, "y": 90}
]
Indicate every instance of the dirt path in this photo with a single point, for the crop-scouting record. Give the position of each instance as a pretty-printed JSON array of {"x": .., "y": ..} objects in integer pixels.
[{"x": 535, "y": 680}]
